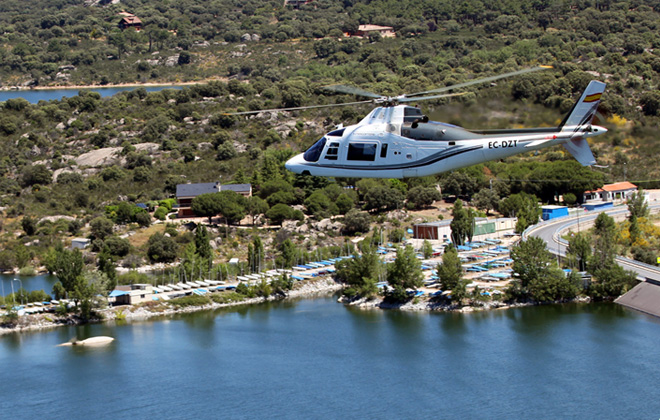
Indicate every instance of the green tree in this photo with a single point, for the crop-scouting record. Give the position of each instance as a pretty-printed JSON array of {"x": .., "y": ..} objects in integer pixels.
[
  {"x": 421, "y": 197},
  {"x": 161, "y": 248},
  {"x": 605, "y": 249},
  {"x": 68, "y": 267},
  {"x": 360, "y": 273},
  {"x": 279, "y": 213},
  {"x": 344, "y": 203},
  {"x": 190, "y": 262},
  {"x": 203, "y": 243},
  {"x": 232, "y": 206},
  {"x": 256, "y": 206},
  {"x": 383, "y": 198},
  {"x": 320, "y": 205},
  {"x": 287, "y": 256},
  {"x": 29, "y": 225},
  {"x": 538, "y": 277},
  {"x": 579, "y": 251},
  {"x": 256, "y": 255},
  {"x": 356, "y": 221},
  {"x": 36, "y": 174},
  {"x": 107, "y": 266},
  {"x": 101, "y": 227},
  {"x": 427, "y": 249},
  {"x": 523, "y": 206},
  {"x": 406, "y": 270},
  {"x": 450, "y": 272},
  {"x": 462, "y": 223},
  {"x": 638, "y": 208},
  {"x": 486, "y": 199},
  {"x": 206, "y": 205},
  {"x": 117, "y": 246}
]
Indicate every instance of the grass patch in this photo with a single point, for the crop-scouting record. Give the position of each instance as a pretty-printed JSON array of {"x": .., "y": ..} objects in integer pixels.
[
  {"x": 227, "y": 297},
  {"x": 193, "y": 300},
  {"x": 141, "y": 236}
]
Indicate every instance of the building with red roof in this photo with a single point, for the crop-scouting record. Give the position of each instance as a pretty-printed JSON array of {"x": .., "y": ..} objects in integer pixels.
[{"x": 619, "y": 191}]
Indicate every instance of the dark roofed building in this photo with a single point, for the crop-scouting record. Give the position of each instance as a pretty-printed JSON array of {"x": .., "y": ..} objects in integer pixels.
[
  {"x": 186, "y": 192},
  {"x": 242, "y": 189},
  {"x": 130, "y": 21}
]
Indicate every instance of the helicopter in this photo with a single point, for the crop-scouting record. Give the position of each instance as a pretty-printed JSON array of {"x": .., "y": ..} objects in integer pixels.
[{"x": 396, "y": 140}]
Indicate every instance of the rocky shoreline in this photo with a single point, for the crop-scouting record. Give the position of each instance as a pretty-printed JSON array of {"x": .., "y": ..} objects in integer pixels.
[
  {"x": 44, "y": 321},
  {"x": 429, "y": 305},
  {"x": 308, "y": 288}
]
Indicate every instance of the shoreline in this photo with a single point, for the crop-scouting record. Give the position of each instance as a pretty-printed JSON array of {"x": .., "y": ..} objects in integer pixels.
[
  {"x": 118, "y": 85},
  {"x": 310, "y": 288},
  {"x": 44, "y": 321},
  {"x": 429, "y": 305}
]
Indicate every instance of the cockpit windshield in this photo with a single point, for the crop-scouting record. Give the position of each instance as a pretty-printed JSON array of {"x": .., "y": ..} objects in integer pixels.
[{"x": 314, "y": 153}]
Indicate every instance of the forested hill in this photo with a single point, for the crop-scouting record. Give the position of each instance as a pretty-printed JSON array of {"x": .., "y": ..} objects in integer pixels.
[
  {"x": 93, "y": 158},
  {"x": 285, "y": 52}
]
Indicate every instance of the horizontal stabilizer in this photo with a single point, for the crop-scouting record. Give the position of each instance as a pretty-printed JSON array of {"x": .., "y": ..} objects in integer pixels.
[{"x": 580, "y": 150}]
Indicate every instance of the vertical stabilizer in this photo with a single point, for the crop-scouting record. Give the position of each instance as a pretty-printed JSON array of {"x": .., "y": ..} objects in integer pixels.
[
  {"x": 585, "y": 108},
  {"x": 579, "y": 120}
]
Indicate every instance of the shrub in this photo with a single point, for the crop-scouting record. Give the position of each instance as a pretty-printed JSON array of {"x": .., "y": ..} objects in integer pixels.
[{"x": 227, "y": 297}]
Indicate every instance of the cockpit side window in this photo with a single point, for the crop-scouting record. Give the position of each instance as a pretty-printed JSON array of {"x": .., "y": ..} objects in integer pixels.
[
  {"x": 314, "y": 153},
  {"x": 333, "y": 151},
  {"x": 410, "y": 114}
]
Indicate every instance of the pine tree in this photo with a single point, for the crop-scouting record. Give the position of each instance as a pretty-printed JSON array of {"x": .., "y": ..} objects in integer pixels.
[
  {"x": 450, "y": 272},
  {"x": 406, "y": 270}
]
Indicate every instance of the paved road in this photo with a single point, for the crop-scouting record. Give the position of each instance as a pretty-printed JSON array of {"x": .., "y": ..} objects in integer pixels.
[{"x": 550, "y": 232}]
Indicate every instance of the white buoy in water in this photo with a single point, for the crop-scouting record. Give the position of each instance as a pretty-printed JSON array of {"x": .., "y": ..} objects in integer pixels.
[{"x": 92, "y": 341}]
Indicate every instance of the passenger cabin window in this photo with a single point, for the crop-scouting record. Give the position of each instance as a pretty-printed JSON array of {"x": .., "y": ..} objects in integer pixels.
[
  {"x": 333, "y": 151},
  {"x": 362, "y": 151},
  {"x": 383, "y": 150}
]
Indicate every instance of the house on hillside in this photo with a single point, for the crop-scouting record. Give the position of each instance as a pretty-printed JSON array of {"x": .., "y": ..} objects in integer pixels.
[
  {"x": 186, "y": 192},
  {"x": 366, "y": 30},
  {"x": 129, "y": 20},
  {"x": 620, "y": 191}
]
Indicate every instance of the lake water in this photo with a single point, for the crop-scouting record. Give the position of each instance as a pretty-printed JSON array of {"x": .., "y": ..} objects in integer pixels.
[
  {"x": 35, "y": 95},
  {"x": 315, "y": 358},
  {"x": 42, "y": 282}
]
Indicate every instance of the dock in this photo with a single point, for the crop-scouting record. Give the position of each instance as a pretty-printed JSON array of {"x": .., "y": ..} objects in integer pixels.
[{"x": 645, "y": 297}]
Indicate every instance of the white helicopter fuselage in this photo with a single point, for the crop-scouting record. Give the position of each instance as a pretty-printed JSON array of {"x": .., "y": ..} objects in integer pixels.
[{"x": 399, "y": 142}]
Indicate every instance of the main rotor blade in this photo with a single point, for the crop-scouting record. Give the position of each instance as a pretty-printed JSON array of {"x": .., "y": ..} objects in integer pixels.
[
  {"x": 352, "y": 90},
  {"x": 428, "y": 98},
  {"x": 296, "y": 108},
  {"x": 482, "y": 80}
]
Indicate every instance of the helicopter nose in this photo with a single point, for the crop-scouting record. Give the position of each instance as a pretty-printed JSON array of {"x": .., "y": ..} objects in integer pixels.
[{"x": 295, "y": 164}]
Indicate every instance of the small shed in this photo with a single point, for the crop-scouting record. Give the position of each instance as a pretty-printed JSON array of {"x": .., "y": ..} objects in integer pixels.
[
  {"x": 80, "y": 243},
  {"x": 553, "y": 212},
  {"x": 433, "y": 230},
  {"x": 137, "y": 293},
  {"x": 366, "y": 30}
]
